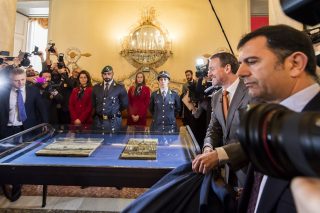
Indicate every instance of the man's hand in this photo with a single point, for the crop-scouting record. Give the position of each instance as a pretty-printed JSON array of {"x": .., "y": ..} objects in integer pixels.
[
  {"x": 205, "y": 162},
  {"x": 306, "y": 194},
  {"x": 77, "y": 122}
]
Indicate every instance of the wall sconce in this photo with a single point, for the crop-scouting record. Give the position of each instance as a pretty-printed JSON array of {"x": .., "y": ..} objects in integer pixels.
[{"x": 148, "y": 45}]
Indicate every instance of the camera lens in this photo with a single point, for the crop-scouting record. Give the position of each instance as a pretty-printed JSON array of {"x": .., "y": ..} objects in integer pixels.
[{"x": 280, "y": 142}]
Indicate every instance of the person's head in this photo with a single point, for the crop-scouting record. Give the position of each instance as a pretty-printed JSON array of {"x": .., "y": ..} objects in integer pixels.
[
  {"x": 46, "y": 74},
  {"x": 276, "y": 62},
  {"x": 18, "y": 78},
  {"x": 30, "y": 72},
  {"x": 163, "y": 79},
  {"x": 189, "y": 75},
  {"x": 84, "y": 78},
  {"x": 140, "y": 78},
  {"x": 107, "y": 73},
  {"x": 75, "y": 72},
  {"x": 222, "y": 69}
]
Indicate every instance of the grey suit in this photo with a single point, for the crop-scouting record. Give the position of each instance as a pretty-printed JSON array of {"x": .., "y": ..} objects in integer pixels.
[{"x": 221, "y": 133}]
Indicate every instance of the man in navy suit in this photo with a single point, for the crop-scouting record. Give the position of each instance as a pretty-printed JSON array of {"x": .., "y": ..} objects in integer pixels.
[
  {"x": 277, "y": 64},
  {"x": 11, "y": 121}
]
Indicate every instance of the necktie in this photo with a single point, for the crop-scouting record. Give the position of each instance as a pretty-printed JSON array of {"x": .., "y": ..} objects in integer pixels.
[
  {"x": 254, "y": 192},
  {"x": 106, "y": 89},
  {"x": 21, "y": 109},
  {"x": 225, "y": 103},
  {"x": 163, "y": 95}
]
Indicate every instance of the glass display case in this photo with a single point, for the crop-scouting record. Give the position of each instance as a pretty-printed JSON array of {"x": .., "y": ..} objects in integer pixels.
[{"x": 44, "y": 155}]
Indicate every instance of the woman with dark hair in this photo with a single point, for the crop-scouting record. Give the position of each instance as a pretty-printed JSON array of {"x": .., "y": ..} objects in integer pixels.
[
  {"x": 80, "y": 103},
  {"x": 139, "y": 98}
]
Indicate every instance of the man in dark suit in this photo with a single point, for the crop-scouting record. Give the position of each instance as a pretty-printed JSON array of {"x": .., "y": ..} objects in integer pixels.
[
  {"x": 11, "y": 121},
  {"x": 277, "y": 64},
  {"x": 109, "y": 98},
  {"x": 219, "y": 143}
]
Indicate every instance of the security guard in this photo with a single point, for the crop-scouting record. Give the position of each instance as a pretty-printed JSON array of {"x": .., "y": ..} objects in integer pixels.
[
  {"x": 109, "y": 98},
  {"x": 164, "y": 106}
]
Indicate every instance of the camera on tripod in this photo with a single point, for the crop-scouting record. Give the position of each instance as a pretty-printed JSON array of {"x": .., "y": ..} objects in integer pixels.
[{"x": 280, "y": 142}]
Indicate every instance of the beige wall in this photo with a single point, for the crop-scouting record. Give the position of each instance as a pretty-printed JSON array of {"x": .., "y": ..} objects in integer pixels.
[
  {"x": 7, "y": 24},
  {"x": 96, "y": 26}
]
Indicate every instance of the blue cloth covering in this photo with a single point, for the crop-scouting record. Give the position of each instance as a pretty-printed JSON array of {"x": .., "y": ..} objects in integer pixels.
[{"x": 184, "y": 191}]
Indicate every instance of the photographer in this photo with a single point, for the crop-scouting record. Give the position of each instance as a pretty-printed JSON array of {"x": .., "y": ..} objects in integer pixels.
[
  {"x": 50, "y": 95},
  {"x": 277, "y": 64}
]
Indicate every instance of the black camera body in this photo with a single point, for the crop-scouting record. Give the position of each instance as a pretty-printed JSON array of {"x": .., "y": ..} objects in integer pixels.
[
  {"x": 281, "y": 143},
  {"x": 61, "y": 63},
  {"x": 202, "y": 70},
  {"x": 51, "y": 48},
  {"x": 36, "y": 51}
]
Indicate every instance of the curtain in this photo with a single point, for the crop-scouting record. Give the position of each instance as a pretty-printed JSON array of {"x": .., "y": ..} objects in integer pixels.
[{"x": 43, "y": 22}]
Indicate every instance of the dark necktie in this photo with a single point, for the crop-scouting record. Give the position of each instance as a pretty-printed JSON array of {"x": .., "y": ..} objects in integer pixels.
[
  {"x": 225, "y": 103},
  {"x": 106, "y": 89},
  {"x": 21, "y": 109},
  {"x": 254, "y": 192},
  {"x": 164, "y": 95}
]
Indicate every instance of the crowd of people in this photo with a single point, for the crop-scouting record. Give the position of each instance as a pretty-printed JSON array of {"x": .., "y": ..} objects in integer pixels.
[{"x": 276, "y": 64}]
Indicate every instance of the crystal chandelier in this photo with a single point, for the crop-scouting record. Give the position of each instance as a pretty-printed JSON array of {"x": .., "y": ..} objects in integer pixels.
[{"x": 148, "y": 44}]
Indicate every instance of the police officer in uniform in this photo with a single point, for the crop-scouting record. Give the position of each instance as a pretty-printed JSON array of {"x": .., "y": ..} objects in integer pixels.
[
  {"x": 164, "y": 106},
  {"x": 109, "y": 98}
]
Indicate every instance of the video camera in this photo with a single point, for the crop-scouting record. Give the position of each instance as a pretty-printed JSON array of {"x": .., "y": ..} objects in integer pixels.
[
  {"x": 281, "y": 143},
  {"x": 24, "y": 58},
  {"x": 202, "y": 68}
]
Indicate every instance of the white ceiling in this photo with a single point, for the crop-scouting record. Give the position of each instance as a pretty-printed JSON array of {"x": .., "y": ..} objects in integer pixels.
[
  {"x": 33, "y": 8},
  {"x": 40, "y": 8}
]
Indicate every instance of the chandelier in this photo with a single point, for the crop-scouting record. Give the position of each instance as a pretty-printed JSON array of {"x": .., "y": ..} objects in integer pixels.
[{"x": 148, "y": 45}]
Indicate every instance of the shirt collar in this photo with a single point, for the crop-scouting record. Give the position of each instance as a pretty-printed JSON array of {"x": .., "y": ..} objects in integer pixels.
[
  {"x": 232, "y": 88},
  {"x": 299, "y": 100}
]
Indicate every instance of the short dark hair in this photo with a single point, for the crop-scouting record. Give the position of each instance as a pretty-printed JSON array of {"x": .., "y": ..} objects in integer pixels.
[
  {"x": 89, "y": 83},
  {"x": 190, "y": 71},
  {"x": 227, "y": 58},
  {"x": 45, "y": 71},
  {"x": 284, "y": 40}
]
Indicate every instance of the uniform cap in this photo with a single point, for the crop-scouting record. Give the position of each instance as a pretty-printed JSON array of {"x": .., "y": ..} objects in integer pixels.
[
  {"x": 163, "y": 74},
  {"x": 107, "y": 68}
]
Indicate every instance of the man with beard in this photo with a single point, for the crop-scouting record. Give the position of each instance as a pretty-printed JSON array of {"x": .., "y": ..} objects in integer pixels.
[{"x": 109, "y": 98}]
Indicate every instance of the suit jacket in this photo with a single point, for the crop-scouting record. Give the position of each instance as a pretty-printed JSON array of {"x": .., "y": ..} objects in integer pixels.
[
  {"x": 34, "y": 105},
  {"x": 223, "y": 133},
  {"x": 276, "y": 196}
]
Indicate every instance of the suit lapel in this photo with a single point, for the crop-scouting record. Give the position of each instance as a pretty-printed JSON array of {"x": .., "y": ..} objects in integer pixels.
[
  {"x": 234, "y": 105},
  {"x": 219, "y": 110},
  {"x": 271, "y": 194}
]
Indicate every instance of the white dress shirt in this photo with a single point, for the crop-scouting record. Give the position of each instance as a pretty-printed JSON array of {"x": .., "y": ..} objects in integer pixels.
[{"x": 13, "y": 106}]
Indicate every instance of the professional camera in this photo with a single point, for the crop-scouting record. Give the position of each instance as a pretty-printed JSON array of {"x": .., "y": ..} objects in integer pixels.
[
  {"x": 36, "y": 51},
  {"x": 52, "y": 88},
  {"x": 281, "y": 143},
  {"x": 201, "y": 67},
  {"x": 61, "y": 63},
  {"x": 24, "y": 58},
  {"x": 51, "y": 47}
]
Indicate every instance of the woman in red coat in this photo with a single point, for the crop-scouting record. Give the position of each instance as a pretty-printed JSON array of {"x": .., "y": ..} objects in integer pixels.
[
  {"x": 80, "y": 103},
  {"x": 139, "y": 98}
]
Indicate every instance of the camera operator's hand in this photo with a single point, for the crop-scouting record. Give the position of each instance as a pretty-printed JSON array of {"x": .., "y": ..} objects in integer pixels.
[
  {"x": 306, "y": 194},
  {"x": 40, "y": 54},
  {"x": 32, "y": 79},
  {"x": 205, "y": 162}
]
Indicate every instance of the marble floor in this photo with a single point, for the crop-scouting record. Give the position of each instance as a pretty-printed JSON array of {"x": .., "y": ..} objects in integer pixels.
[{"x": 32, "y": 204}]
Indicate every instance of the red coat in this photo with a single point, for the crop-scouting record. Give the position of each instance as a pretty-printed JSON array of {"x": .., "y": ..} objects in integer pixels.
[
  {"x": 81, "y": 108},
  {"x": 138, "y": 105}
]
